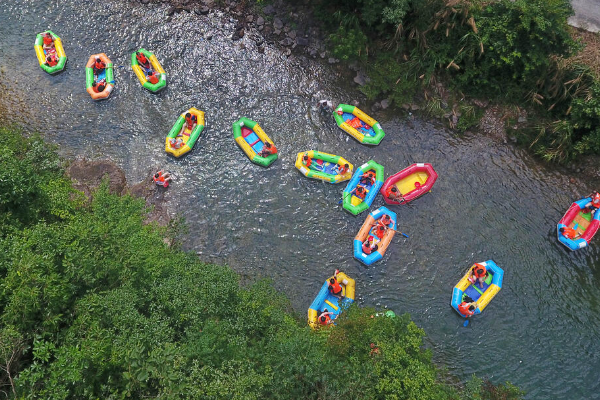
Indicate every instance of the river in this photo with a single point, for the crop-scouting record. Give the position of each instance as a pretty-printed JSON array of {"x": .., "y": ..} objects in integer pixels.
[{"x": 491, "y": 201}]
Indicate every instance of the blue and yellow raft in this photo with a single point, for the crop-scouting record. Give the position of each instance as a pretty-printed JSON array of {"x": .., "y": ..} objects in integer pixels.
[
  {"x": 326, "y": 301},
  {"x": 482, "y": 297}
]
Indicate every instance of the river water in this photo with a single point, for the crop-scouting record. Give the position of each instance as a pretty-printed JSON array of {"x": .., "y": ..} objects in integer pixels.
[{"x": 491, "y": 201}]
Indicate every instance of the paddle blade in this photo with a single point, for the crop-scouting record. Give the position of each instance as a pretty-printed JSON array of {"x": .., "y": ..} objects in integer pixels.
[
  {"x": 404, "y": 234},
  {"x": 466, "y": 323}
]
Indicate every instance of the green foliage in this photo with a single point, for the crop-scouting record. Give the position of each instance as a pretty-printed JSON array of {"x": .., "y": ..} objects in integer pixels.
[
  {"x": 470, "y": 116},
  {"x": 348, "y": 44}
]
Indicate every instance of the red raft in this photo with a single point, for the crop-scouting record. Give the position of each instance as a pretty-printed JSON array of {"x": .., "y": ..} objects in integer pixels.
[{"x": 412, "y": 182}]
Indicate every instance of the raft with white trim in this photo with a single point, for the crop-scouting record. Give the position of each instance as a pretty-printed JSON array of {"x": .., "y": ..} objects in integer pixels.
[
  {"x": 354, "y": 204},
  {"x": 358, "y": 124},
  {"x": 482, "y": 297},
  {"x": 582, "y": 222},
  {"x": 368, "y": 229},
  {"x": 412, "y": 182},
  {"x": 324, "y": 166},
  {"x": 41, "y": 53},
  {"x": 251, "y": 138},
  {"x": 143, "y": 73},
  {"x": 189, "y": 137},
  {"x": 106, "y": 76},
  {"x": 325, "y": 301}
]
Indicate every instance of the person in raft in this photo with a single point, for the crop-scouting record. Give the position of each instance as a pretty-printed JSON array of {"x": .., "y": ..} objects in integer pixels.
[
  {"x": 569, "y": 233},
  {"x": 48, "y": 45},
  {"x": 98, "y": 87},
  {"x": 368, "y": 246},
  {"x": 593, "y": 205},
  {"x": 324, "y": 317},
  {"x": 162, "y": 178},
  {"x": 467, "y": 307},
  {"x": 343, "y": 169},
  {"x": 190, "y": 123},
  {"x": 306, "y": 160},
  {"x": 98, "y": 66},
  {"x": 267, "y": 150},
  {"x": 51, "y": 60},
  {"x": 394, "y": 194},
  {"x": 176, "y": 143},
  {"x": 153, "y": 77},
  {"x": 334, "y": 287},
  {"x": 478, "y": 274},
  {"x": 368, "y": 178},
  {"x": 143, "y": 61},
  {"x": 360, "y": 192}
]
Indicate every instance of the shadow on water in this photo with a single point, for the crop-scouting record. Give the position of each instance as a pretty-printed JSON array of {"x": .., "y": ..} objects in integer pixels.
[{"x": 490, "y": 201}]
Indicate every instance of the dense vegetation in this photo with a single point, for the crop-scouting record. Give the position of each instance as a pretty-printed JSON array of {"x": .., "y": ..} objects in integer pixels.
[
  {"x": 515, "y": 52},
  {"x": 95, "y": 305}
]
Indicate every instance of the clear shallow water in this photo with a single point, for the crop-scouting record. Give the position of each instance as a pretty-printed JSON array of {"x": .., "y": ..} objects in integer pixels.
[{"x": 490, "y": 201}]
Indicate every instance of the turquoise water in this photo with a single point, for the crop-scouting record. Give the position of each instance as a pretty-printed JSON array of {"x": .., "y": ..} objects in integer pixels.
[{"x": 491, "y": 201}]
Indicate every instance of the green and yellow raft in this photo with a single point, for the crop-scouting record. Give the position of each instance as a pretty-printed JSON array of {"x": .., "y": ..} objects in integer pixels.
[
  {"x": 324, "y": 166},
  {"x": 41, "y": 54},
  {"x": 358, "y": 124},
  {"x": 188, "y": 137},
  {"x": 251, "y": 138},
  {"x": 143, "y": 73}
]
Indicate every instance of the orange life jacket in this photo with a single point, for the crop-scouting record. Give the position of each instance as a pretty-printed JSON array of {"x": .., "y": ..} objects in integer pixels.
[
  {"x": 272, "y": 149},
  {"x": 479, "y": 271},
  {"x": 153, "y": 79},
  {"x": 379, "y": 231},
  {"x": 324, "y": 319},
  {"x": 464, "y": 309},
  {"x": 569, "y": 233},
  {"x": 342, "y": 170},
  {"x": 52, "y": 61},
  {"x": 360, "y": 195},
  {"x": 141, "y": 58},
  {"x": 596, "y": 200},
  {"x": 335, "y": 287},
  {"x": 99, "y": 64},
  {"x": 369, "y": 176},
  {"x": 366, "y": 248},
  {"x": 160, "y": 180},
  {"x": 384, "y": 221},
  {"x": 307, "y": 162},
  {"x": 354, "y": 122},
  {"x": 48, "y": 40}
]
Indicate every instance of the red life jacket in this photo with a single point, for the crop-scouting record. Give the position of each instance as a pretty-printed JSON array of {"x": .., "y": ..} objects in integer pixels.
[
  {"x": 141, "y": 58},
  {"x": 366, "y": 248},
  {"x": 99, "y": 64},
  {"x": 569, "y": 233},
  {"x": 596, "y": 200},
  {"x": 479, "y": 271},
  {"x": 272, "y": 149},
  {"x": 464, "y": 309},
  {"x": 335, "y": 287},
  {"x": 48, "y": 40},
  {"x": 324, "y": 319},
  {"x": 52, "y": 61},
  {"x": 380, "y": 231},
  {"x": 360, "y": 195}
]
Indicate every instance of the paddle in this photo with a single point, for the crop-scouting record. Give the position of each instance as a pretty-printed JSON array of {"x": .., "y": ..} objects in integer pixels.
[
  {"x": 344, "y": 198},
  {"x": 466, "y": 323},
  {"x": 402, "y": 233}
]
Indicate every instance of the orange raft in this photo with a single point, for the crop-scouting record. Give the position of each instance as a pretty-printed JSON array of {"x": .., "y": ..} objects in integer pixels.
[{"x": 98, "y": 78}]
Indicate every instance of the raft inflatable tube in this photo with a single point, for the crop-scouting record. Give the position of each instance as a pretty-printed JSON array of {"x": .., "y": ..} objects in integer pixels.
[
  {"x": 585, "y": 223},
  {"x": 106, "y": 75},
  {"x": 412, "y": 182},
  {"x": 327, "y": 301},
  {"x": 189, "y": 137},
  {"x": 354, "y": 204},
  {"x": 41, "y": 54},
  {"x": 358, "y": 124},
  {"x": 368, "y": 229},
  {"x": 482, "y": 297},
  {"x": 324, "y": 166},
  {"x": 251, "y": 138},
  {"x": 142, "y": 73}
]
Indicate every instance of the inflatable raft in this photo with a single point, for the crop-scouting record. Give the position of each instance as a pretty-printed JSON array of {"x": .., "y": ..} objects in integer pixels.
[
  {"x": 42, "y": 54},
  {"x": 144, "y": 74},
  {"x": 186, "y": 138},
  {"x": 251, "y": 138},
  {"x": 412, "y": 182},
  {"x": 351, "y": 202},
  {"x": 358, "y": 124},
  {"x": 482, "y": 297},
  {"x": 104, "y": 77},
  {"x": 584, "y": 223},
  {"x": 368, "y": 231},
  {"x": 326, "y": 302},
  {"x": 324, "y": 166}
]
